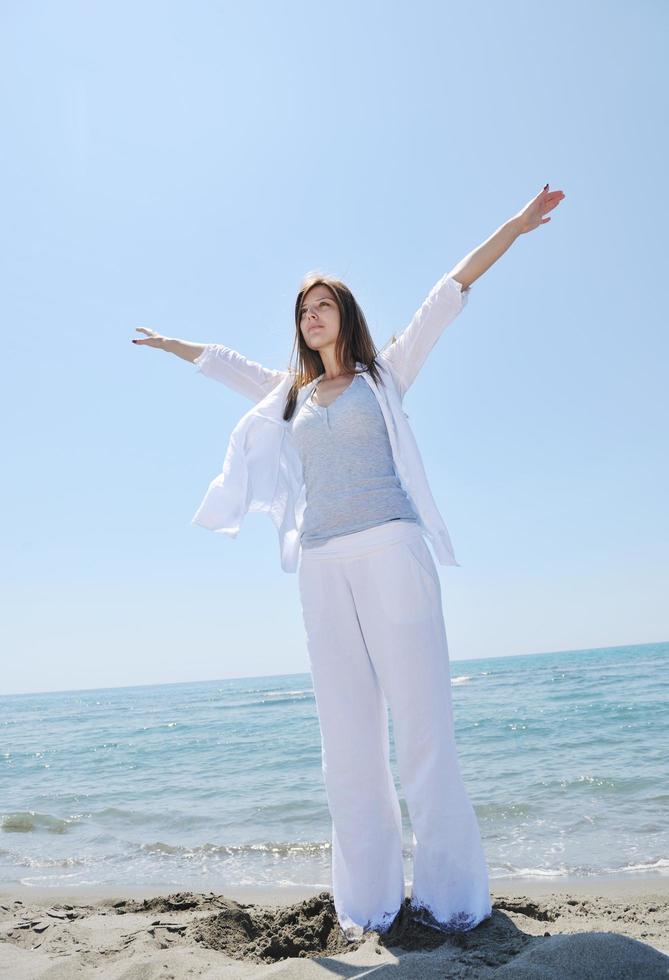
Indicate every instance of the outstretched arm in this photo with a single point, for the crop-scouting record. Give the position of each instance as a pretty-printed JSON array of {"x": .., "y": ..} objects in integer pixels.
[
  {"x": 218, "y": 362},
  {"x": 408, "y": 352},
  {"x": 236, "y": 371},
  {"x": 472, "y": 267}
]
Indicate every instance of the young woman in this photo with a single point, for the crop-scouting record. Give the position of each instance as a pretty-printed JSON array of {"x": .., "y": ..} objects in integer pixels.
[{"x": 328, "y": 453}]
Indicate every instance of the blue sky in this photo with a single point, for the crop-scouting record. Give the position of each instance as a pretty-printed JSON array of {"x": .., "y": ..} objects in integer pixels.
[{"x": 180, "y": 166}]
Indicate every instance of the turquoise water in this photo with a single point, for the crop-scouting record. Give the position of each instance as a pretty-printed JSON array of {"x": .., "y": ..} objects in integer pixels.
[{"x": 219, "y": 783}]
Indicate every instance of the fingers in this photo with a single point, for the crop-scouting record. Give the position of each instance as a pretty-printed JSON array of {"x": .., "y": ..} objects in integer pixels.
[
  {"x": 550, "y": 194},
  {"x": 548, "y": 205},
  {"x": 151, "y": 336}
]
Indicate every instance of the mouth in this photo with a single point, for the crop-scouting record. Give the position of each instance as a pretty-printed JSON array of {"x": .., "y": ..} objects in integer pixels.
[{"x": 317, "y": 327}]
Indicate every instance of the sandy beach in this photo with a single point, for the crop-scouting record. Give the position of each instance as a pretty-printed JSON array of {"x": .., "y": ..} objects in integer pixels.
[{"x": 606, "y": 928}]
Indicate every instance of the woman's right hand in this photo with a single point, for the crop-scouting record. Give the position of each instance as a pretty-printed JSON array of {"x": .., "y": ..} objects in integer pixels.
[{"x": 152, "y": 339}]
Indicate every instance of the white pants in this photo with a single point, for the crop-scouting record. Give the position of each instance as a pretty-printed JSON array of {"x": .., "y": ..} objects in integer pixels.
[{"x": 371, "y": 603}]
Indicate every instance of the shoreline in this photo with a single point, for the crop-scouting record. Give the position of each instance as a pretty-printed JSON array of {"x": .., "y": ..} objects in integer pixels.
[{"x": 621, "y": 886}]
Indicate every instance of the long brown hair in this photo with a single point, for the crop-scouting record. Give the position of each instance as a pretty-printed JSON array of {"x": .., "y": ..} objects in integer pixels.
[{"x": 354, "y": 341}]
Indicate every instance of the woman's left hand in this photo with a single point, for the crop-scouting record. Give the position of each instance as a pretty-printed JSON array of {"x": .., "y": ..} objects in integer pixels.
[{"x": 532, "y": 215}]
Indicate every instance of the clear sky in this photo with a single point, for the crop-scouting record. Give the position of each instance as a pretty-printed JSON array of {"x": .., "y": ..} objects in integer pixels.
[{"x": 181, "y": 165}]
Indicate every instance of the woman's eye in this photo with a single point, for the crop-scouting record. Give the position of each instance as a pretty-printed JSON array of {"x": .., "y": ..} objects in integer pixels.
[{"x": 323, "y": 302}]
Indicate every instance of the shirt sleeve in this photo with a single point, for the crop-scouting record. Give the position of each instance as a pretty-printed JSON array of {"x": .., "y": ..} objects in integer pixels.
[
  {"x": 408, "y": 352},
  {"x": 237, "y": 372}
]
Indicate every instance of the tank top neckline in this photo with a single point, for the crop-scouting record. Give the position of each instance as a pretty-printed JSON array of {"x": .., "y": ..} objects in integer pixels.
[{"x": 342, "y": 392}]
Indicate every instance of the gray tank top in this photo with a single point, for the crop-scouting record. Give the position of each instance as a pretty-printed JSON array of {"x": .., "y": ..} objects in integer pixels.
[{"x": 349, "y": 473}]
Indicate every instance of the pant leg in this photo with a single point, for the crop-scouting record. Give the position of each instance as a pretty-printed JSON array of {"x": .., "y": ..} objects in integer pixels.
[
  {"x": 398, "y": 598},
  {"x": 367, "y": 861}
]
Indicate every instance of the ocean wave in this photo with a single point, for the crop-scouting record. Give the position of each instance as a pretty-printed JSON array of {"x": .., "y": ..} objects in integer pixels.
[
  {"x": 277, "y": 848},
  {"x": 29, "y": 821}
]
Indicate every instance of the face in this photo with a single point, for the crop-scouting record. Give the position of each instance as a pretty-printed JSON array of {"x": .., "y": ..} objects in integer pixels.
[{"x": 319, "y": 318}]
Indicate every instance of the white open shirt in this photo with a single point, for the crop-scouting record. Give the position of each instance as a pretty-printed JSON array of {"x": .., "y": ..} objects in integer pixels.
[{"x": 262, "y": 470}]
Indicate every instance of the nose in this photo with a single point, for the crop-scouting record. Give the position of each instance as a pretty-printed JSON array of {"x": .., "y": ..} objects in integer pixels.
[{"x": 311, "y": 315}]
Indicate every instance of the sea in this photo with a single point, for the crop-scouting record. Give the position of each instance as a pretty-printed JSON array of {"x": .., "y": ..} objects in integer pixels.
[{"x": 218, "y": 783}]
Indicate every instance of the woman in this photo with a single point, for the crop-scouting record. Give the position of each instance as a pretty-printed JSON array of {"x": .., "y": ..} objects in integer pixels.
[{"x": 328, "y": 453}]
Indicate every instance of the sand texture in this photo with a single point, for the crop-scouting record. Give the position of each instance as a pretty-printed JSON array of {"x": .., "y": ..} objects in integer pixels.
[{"x": 615, "y": 931}]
